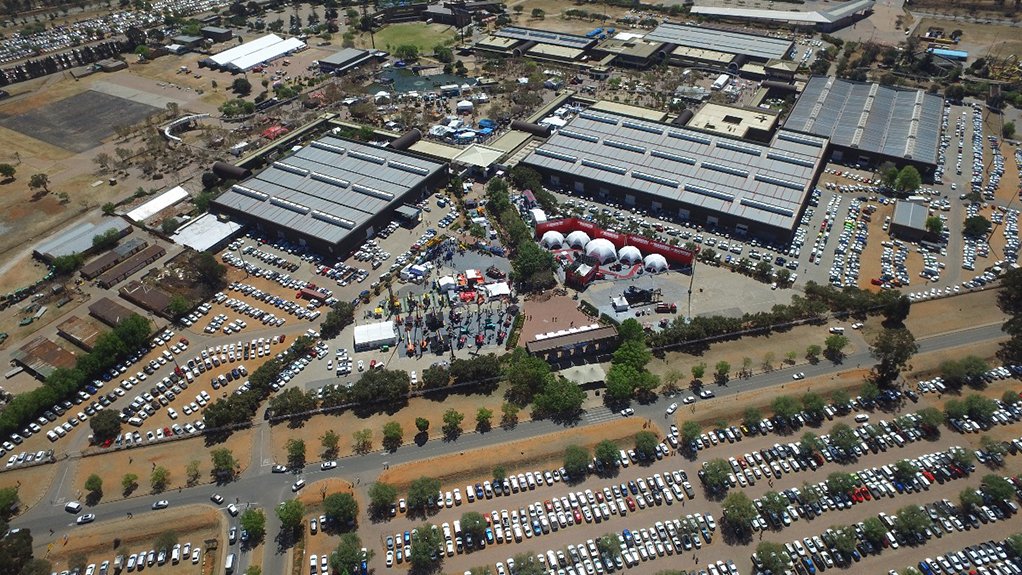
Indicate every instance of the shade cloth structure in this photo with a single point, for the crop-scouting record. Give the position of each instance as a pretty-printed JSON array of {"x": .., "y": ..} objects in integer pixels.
[
  {"x": 446, "y": 283},
  {"x": 578, "y": 239},
  {"x": 465, "y": 105},
  {"x": 552, "y": 240},
  {"x": 655, "y": 263},
  {"x": 602, "y": 250},
  {"x": 629, "y": 255}
]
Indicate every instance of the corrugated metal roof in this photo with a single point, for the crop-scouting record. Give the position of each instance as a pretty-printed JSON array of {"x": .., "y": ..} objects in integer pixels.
[
  {"x": 78, "y": 239},
  {"x": 761, "y": 47},
  {"x": 545, "y": 37},
  {"x": 766, "y": 184},
  {"x": 329, "y": 188},
  {"x": 345, "y": 56},
  {"x": 910, "y": 215},
  {"x": 886, "y": 120}
]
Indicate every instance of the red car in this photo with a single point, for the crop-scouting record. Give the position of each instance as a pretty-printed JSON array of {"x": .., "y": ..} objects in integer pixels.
[
  {"x": 630, "y": 502},
  {"x": 578, "y": 516}
]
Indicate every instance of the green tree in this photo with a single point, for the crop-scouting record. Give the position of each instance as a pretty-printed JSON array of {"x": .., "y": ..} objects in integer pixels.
[
  {"x": 633, "y": 353},
  {"x": 170, "y": 225},
  {"x": 715, "y": 474},
  {"x": 834, "y": 345},
  {"x": 845, "y": 539},
  {"x": 739, "y": 511},
  {"x": 934, "y": 224},
  {"x": 38, "y": 181},
  {"x": 443, "y": 53},
  {"x": 976, "y": 226},
  {"x": 908, "y": 180},
  {"x": 159, "y": 478},
  {"x": 842, "y": 436},
  {"x": 7, "y": 171},
  {"x": 362, "y": 441},
  {"x": 526, "y": 374},
  {"x": 508, "y": 414},
  {"x": 813, "y": 352},
  {"x": 348, "y": 554},
  {"x": 774, "y": 502},
  {"x": 295, "y": 453},
  {"x": 751, "y": 417},
  {"x": 905, "y": 470},
  {"x": 576, "y": 461},
  {"x": 1014, "y": 544},
  {"x": 813, "y": 404},
  {"x": 892, "y": 350},
  {"x": 970, "y": 499},
  {"x": 254, "y": 521},
  {"x": 426, "y": 540},
  {"x": 94, "y": 485},
  {"x": 452, "y": 423},
  {"x": 784, "y": 406},
  {"x": 105, "y": 425},
  {"x": 241, "y": 86},
  {"x": 484, "y": 419},
  {"x": 966, "y": 370},
  {"x": 606, "y": 452},
  {"x": 382, "y": 496},
  {"x": 997, "y": 488},
  {"x": 393, "y": 435},
  {"x": 645, "y": 445},
  {"x": 340, "y": 508},
  {"x": 840, "y": 482},
  {"x": 224, "y": 463},
  {"x": 538, "y": 13},
  {"x": 698, "y": 371},
  {"x": 407, "y": 52},
  {"x": 422, "y": 424},
  {"x": 340, "y": 316},
  {"x": 472, "y": 522},
  {"x": 911, "y": 520},
  {"x": 330, "y": 442},
  {"x": 1010, "y": 396},
  {"x": 723, "y": 369},
  {"x": 67, "y": 264},
  {"x": 773, "y": 556},
  {"x": 560, "y": 399},
  {"x": 889, "y": 174},
  {"x": 631, "y": 330},
  {"x": 810, "y": 442},
  {"x": 422, "y": 491},
  {"x": 621, "y": 382},
  {"x": 192, "y": 473},
  {"x": 1008, "y": 130},
  {"x": 291, "y": 512},
  {"x": 873, "y": 530},
  {"x": 930, "y": 419},
  {"x": 129, "y": 483}
]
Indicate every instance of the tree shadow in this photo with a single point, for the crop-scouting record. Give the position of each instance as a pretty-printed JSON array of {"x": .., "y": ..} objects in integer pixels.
[
  {"x": 92, "y": 499},
  {"x": 421, "y": 438}
]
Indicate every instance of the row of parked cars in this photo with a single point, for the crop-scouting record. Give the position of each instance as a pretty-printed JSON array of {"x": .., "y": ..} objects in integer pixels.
[
  {"x": 987, "y": 558},
  {"x": 270, "y": 258},
  {"x": 307, "y": 311}
]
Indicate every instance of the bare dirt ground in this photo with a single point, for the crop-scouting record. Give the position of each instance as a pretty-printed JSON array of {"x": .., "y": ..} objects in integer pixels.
[
  {"x": 977, "y": 38},
  {"x": 175, "y": 456},
  {"x": 515, "y": 456},
  {"x": 105, "y": 540},
  {"x": 31, "y": 482},
  {"x": 962, "y": 311},
  {"x": 545, "y": 314}
]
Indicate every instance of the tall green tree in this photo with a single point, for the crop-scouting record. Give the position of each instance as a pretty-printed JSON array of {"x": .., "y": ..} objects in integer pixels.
[{"x": 340, "y": 508}]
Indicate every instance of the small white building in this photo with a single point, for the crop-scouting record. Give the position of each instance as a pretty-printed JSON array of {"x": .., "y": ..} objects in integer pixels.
[{"x": 375, "y": 335}]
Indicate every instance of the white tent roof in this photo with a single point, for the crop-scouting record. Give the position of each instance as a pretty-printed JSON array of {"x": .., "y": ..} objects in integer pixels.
[
  {"x": 629, "y": 254},
  {"x": 578, "y": 239},
  {"x": 498, "y": 289},
  {"x": 464, "y": 104},
  {"x": 655, "y": 263},
  {"x": 602, "y": 249},
  {"x": 158, "y": 204},
  {"x": 446, "y": 282},
  {"x": 552, "y": 239},
  {"x": 266, "y": 54},
  {"x": 232, "y": 54},
  {"x": 374, "y": 334}
]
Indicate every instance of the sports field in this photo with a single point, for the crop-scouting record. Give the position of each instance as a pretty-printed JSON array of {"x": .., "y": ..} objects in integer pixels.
[{"x": 422, "y": 35}]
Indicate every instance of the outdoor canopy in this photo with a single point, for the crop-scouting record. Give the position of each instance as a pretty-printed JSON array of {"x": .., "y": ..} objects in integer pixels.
[
  {"x": 552, "y": 240},
  {"x": 578, "y": 239},
  {"x": 629, "y": 255},
  {"x": 602, "y": 250},
  {"x": 655, "y": 263}
]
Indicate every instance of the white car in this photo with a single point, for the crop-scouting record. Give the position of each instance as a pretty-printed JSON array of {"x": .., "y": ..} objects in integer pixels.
[
  {"x": 415, "y": 379},
  {"x": 627, "y": 411},
  {"x": 672, "y": 408},
  {"x": 328, "y": 465},
  {"x": 689, "y": 399},
  {"x": 161, "y": 504},
  {"x": 799, "y": 375},
  {"x": 361, "y": 365}
]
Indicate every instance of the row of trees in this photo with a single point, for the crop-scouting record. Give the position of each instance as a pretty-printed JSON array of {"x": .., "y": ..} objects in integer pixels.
[
  {"x": 241, "y": 407},
  {"x": 530, "y": 380},
  {"x": 532, "y": 266},
  {"x": 110, "y": 348}
]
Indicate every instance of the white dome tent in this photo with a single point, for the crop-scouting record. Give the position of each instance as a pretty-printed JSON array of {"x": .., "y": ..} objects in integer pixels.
[
  {"x": 629, "y": 255},
  {"x": 602, "y": 250},
  {"x": 578, "y": 239},
  {"x": 655, "y": 263},
  {"x": 552, "y": 240}
]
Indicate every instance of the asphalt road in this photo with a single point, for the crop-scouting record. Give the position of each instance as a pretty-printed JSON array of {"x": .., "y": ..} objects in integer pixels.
[{"x": 260, "y": 487}]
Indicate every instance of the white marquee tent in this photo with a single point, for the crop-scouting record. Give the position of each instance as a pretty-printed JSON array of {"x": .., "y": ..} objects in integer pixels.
[
  {"x": 655, "y": 263},
  {"x": 552, "y": 240},
  {"x": 374, "y": 335},
  {"x": 629, "y": 255},
  {"x": 578, "y": 239},
  {"x": 602, "y": 250}
]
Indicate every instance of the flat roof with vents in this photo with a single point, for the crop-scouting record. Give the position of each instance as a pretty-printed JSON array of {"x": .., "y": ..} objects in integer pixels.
[
  {"x": 898, "y": 123},
  {"x": 751, "y": 45},
  {"x": 762, "y": 183},
  {"x": 329, "y": 188}
]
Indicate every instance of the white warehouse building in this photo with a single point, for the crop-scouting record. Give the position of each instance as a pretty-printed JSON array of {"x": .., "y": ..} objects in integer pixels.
[{"x": 375, "y": 335}]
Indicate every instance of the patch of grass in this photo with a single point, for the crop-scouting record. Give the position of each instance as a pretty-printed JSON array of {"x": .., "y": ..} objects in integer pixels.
[{"x": 422, "y": 35}]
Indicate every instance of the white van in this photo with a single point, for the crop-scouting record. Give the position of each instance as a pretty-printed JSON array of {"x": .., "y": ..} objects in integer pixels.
[
  {"x": 73, "y": 507},
  {"x": 229, "y": 564},
  {"x": 175, "y": 556},
  {"x": 837, "y": 330}
]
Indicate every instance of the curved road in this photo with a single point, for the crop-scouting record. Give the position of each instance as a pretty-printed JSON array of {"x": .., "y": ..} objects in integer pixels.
[{"x": 258, "y": 486}]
